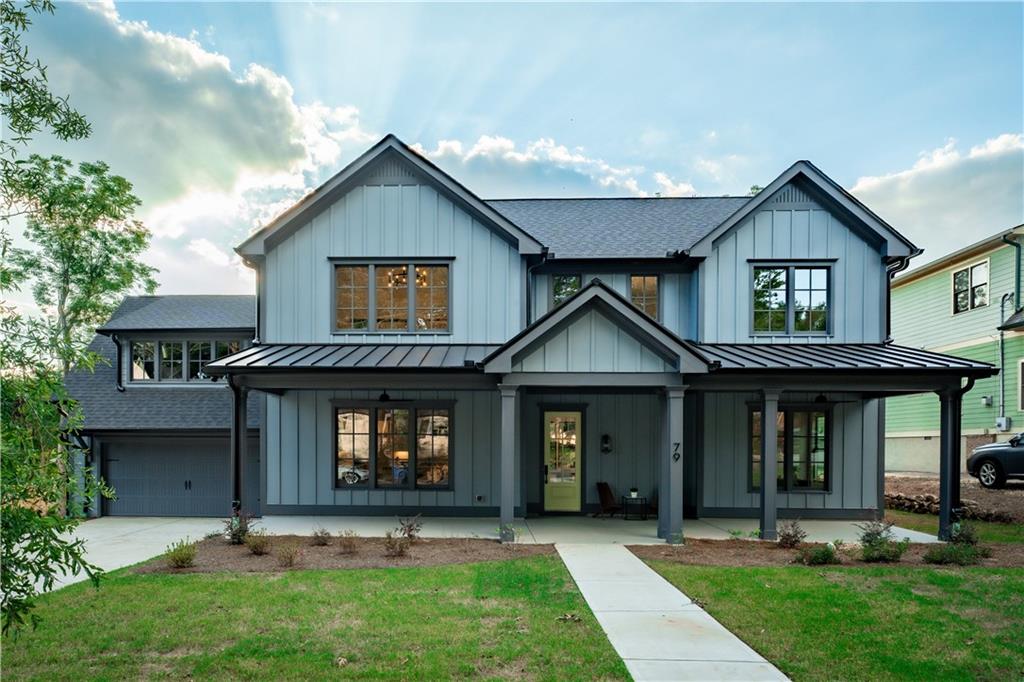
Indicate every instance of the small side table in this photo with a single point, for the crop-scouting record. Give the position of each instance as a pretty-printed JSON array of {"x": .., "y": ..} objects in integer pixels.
[{"x": 639, "y": 506}]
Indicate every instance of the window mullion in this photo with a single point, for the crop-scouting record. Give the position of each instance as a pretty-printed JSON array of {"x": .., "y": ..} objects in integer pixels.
[
  {"x": 411, "y": 298},
  {"x": 790, "y": 302},
  {"x": 371, "y": 295},
  {"x": 373, "y": 446}
]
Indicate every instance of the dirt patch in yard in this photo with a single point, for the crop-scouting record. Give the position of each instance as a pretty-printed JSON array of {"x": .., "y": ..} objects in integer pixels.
[
  {"x": 755, "y": 553},
  {"x": 215, "y": 554},
  {"x": 1008, "y": 500}
]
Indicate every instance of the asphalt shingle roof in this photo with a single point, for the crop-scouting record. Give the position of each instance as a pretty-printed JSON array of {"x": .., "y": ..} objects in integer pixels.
[
  {"x": 183, "y": 312},
  {"x": 1015, "y": 321},
  {"x": 148, "y": 407},
  {"x": 618, "y": 228}
]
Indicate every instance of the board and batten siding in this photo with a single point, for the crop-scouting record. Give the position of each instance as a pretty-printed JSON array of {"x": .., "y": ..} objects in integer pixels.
[
  {"x": 300, "y": 435},
  {"x": 787, "y": 231},
  {"x": 404, "y": 222},
  {"x": 725, "y": 474},
  {"x": 676, "y": 310},
  {"x": 590, "y": 343}
]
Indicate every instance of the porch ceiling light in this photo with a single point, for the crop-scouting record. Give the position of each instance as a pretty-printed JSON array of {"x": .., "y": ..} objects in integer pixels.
[{"x": 384, "y": 397}]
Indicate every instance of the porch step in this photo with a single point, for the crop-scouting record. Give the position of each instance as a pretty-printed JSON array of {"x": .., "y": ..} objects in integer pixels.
[{"x": 657, "y": 630}]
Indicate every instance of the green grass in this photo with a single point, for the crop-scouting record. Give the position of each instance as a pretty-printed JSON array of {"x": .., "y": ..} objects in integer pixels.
[
  {"x": 483, "y": 621},
  {"x": 869, "y": 623},
  {"x": 987, "y": 531}
]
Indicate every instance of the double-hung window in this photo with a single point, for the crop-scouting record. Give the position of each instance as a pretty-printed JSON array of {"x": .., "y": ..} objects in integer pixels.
[
  {"x": 643, "y": 292},
  {"x": 397, "y": 445},
  {"x": 970, "y": 287},
  {"x": 392, "y": 297},
  {"x": 791, "y": 299},
  {"x": 803, "y": 444}
]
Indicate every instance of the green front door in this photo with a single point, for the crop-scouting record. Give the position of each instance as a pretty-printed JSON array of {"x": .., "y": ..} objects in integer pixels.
[{"x": 563, "y": 452}]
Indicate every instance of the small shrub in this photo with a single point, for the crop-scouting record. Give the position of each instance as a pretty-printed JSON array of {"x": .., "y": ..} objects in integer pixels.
[
  {"x": 395, "y": 544},
  {"x": 963, "y": 533},
  {"x": 258, "y": 542},
  {"x": 410, "y": 527},
  {"x": 213, "y": 535},
  {"x": 181, "y": 554},
  {"x": 348, "y": 542},
  {"x": 791, "y": 534},
  {"x": 878, "y": 544},
  {"x": 321, "y": 537},
  {"x": 288, "y": 555},
  {"x": 237, "y": 527},
  {"x": 820, "y": 555},
  {"x": 959, "y": 554}
]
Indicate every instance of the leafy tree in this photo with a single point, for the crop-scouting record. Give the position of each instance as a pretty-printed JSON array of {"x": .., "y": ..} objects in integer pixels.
[
  {"x": 26, "y": 104},
  {"x": 86, "y": 247},
  {"x": 754, "y": 190}
]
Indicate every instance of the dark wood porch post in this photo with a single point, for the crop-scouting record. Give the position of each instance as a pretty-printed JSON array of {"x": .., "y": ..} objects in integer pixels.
[
  {"x": 949, "y": 459},
  {"x": 769, "y": 467},
  {"x": 670, "y": 502},
  {"x": 239, "y": 442},
  {"x": 508, "y": 461}
]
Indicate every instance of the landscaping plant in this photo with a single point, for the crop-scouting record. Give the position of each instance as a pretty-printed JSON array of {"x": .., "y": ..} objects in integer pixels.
[
  {"x": 878, "y": 544},
  {"x": 181, "y": 554},
  {"x": 288, "y": 555},
  {"x": 820, "y": 555},
  {"x": 958, "y": 554},
  {"x": 321, "y": 537},
  {"x": 239, "y": 526},
  {"x": 791, "y": 534},
  {"x": 410, "y": 527},
  {"x": 258, "y": 542},
  {"x": 963, "y": 533},
  {"x": 395, "y": 544},
  {"x": 348, "y": 541}
]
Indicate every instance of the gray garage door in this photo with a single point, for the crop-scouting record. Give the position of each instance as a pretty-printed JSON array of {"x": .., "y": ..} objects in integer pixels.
[{"x": 173, "y": 476}]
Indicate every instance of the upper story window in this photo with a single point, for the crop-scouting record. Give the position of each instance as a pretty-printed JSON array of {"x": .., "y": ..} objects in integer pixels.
[
  {"x": 391, "y": 297},
  {"x": 564, "y": 286},
  {"x": 970, "y": 287},
  {"x": 643, "y": 292},
  {"x": 791, "y": 299},
  {"x": 176, "y": 361}
]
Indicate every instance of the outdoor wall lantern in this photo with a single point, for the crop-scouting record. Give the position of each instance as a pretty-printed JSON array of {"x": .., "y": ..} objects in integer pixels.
[{"x": 606, "y": 443}]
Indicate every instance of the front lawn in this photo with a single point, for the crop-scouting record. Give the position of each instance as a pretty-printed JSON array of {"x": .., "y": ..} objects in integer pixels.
[
  {"x": 869, "y": 623},
  {"x": 928, "y": 523},
  {"x": 485, "y": 620}
]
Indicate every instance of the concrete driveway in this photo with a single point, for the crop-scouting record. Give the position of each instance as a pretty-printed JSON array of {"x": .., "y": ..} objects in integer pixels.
[{"x": 114, "y": 542}]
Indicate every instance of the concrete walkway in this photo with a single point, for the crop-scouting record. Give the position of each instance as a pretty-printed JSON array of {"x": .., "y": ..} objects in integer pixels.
[{"x": 656, "y": 629}]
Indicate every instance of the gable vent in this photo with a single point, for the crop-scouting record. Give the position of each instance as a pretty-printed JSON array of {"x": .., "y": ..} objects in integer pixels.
[
  {"x": 391, "y": 169},
  {"x": 791, "y": 194}
]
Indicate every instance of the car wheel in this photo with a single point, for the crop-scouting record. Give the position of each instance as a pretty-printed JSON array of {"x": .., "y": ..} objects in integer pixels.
[{"x": 991, "y": 475}]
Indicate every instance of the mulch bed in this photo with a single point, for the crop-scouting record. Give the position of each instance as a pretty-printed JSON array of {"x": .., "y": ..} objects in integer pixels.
[
  {"x": 1008, "y": 500},
  {"x": 215, "y": 555},
  {"x": 755, "y": 553}
]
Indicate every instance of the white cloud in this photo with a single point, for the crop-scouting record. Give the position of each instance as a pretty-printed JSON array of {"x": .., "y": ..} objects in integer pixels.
[
  {"x": 668, "y": 188},
  {"x": 949, "y": 198},
  {"x": 209, "y": 251}
]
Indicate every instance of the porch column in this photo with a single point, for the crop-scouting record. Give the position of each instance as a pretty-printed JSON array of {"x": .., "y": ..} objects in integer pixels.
[
  {"x": 769, "y": 457},
  {"x": 949, "y": 459},
  {"x": 239, "y": 442},
  {"x": 509, "y": 396},
  {"x": 670, "y": 497}
]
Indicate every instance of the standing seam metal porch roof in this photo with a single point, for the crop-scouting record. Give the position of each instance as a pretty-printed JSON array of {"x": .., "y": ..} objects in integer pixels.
[
  {"x": 856, "y": 357},
  {"x": 351, "y": 356}
]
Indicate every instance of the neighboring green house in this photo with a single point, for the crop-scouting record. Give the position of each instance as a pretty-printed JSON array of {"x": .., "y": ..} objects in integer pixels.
[{"x": 964, "y": 304}]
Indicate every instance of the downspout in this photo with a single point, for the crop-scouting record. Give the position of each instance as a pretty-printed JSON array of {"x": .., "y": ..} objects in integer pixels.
[
  {"x": 529, "y": 285},
  {"x": 1016, "y": 280},
  {"x": 1002, "y": 354},
  {"x": 118, "y": 381},
  {"x": 892, "y": 269}
]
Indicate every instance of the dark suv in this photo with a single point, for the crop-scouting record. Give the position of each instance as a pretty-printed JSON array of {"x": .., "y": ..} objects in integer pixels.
[{"x": 992, "y": 464}]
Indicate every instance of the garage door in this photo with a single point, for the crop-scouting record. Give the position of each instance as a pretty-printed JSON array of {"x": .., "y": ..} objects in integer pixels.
[{"x": 173, "y": 476}]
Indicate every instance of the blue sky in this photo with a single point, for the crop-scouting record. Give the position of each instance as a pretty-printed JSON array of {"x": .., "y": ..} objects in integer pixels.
[{"x": 224, "y": 113}]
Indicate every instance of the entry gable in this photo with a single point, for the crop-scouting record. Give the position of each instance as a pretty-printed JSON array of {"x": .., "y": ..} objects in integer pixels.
[
  {"x": 390, "y": 161},
  {"x": 596, "y": 330},
  {"x": 804, "y": 184}
]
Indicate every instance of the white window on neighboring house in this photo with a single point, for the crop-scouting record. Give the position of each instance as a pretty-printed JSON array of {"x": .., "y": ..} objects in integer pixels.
[
  {"x": 970, "y": 287},
  {"x": 1020, "y": 385}
]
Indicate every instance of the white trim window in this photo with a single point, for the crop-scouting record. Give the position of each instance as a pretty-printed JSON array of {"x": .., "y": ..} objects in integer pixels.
[
  {"x": 970, "y": 287},
  {"x": 1020, "y": 385}
]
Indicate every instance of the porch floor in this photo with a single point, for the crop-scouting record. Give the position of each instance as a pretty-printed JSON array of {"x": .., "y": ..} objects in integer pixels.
[{"x": 567, "y": 529}]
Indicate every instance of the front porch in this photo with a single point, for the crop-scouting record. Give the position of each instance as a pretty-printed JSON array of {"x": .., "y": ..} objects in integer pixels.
[{"x": 568, "y": 529}]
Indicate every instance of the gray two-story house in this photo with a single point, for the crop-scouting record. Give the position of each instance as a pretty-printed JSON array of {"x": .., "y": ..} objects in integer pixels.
[{"x": 416, "y": 349}]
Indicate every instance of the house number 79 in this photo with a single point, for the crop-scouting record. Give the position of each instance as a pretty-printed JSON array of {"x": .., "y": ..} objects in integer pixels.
[{"x": 675, "y": 452}]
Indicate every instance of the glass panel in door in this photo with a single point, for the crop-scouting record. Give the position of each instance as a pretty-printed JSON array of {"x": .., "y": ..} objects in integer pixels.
[{"x": 563, "y": 445}]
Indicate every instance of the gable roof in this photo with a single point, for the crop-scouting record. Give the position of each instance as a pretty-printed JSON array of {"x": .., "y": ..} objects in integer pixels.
[
  {"x": 832, "y": 195},
  {"x": 598, "y": 294},
  {"x": 314, "y": 202},
  {"x": 179, "y": 312},
  {"x": 969, "y": 252},
  {"x": 618, "y": 228}
]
